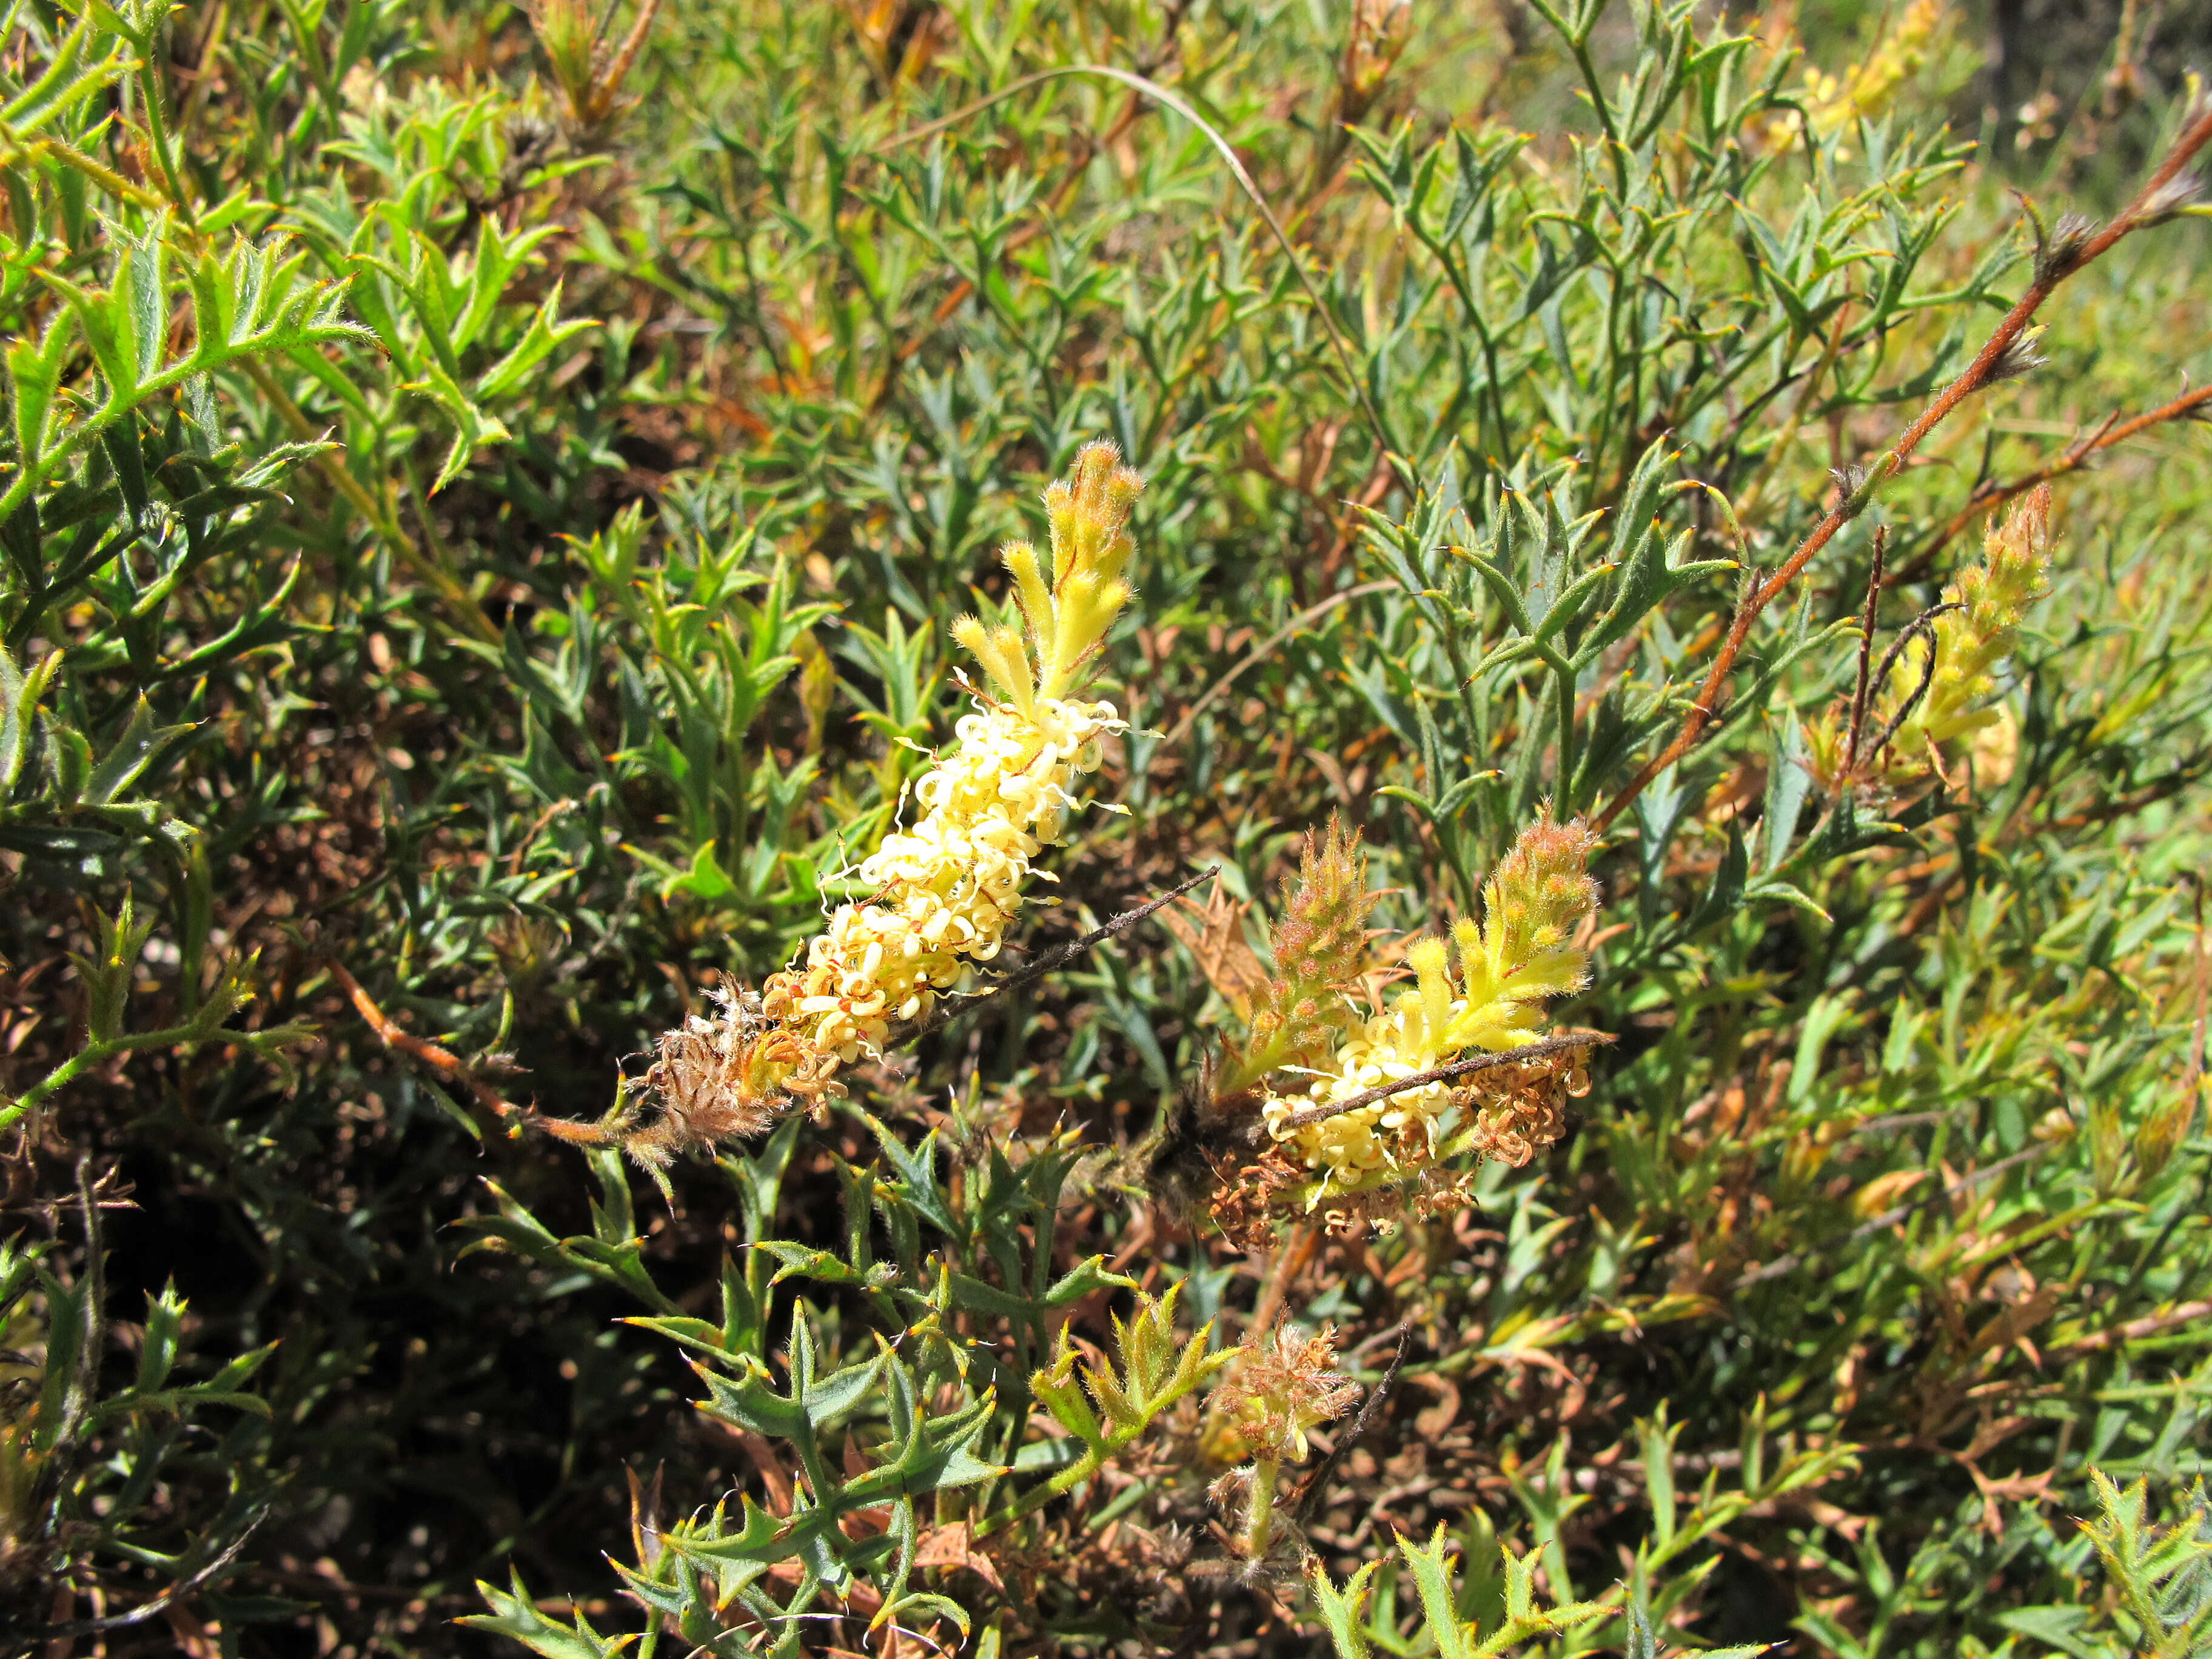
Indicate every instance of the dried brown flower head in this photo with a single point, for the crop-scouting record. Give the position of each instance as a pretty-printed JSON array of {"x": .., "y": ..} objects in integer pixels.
[
  {"x": 708, "y": 1079},
  {"x": 1284, "y": 1388},
  {"x": 1250, "y": 1198},
  {"x": 713, "y": 1080},
  {"x": 1516, "y": 1111}
]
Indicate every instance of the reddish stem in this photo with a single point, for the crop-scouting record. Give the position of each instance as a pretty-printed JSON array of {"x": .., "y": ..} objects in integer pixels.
[{"x": 1758, "y": 595}]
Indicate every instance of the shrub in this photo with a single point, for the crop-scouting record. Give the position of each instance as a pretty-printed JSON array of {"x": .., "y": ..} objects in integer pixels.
[{"x": 539, "y": 754}]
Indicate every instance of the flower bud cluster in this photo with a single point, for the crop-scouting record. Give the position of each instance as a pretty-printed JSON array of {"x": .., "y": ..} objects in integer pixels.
[{"x": 1989, "y": 601}]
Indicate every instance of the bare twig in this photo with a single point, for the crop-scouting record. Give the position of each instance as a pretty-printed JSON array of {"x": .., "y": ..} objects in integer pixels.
[
  {"x": 2134, "y": 1331},
  {"x": 2204, "y": 966},
  {"x": 1866, "y": 652},
  {"x": 2125, "y": 806},
  {"x": 1446, "y": 1073},
  {"x": 607, "y": 86},
  {"x": 1310, "y": 1487},
  {"x": 1923, "y": 626},
  {"x": 146, "y": 1610},
  {"x": 2052, "y": 268},
  {"x": 1037, "y": 968},
  {"x": 447, "y": 1064},
  {"x": 1890, "y": 1218}
]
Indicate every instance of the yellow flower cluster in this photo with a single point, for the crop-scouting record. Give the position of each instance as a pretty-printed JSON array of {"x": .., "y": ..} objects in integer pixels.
[
  {"x": 1522, "y": 953},
  {"x": 947, "y": 887},
  {"x": 1865, "y": 88},
  {"x": 1989, "y": 601},
  {"x": 951, "y": 884}
]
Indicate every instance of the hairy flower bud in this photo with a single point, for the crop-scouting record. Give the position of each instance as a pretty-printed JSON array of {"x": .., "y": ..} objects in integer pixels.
[
  {"x": 1972, "y": 639},
  {"x": 1320, "y": 951}
]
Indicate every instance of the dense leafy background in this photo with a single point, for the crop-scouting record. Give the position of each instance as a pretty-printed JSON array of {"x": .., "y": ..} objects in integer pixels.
[{"x": 495, "y": 541}]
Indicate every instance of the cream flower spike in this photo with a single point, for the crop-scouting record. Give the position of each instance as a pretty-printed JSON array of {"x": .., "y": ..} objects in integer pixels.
[{"x": 952, "y": 883}]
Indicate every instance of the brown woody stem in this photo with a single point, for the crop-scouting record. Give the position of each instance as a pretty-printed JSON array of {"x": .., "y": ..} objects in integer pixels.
[
  {"x": 1037, "y": 969},
  {"x": 1978, "y": 374},
  {"x": 444, "y": 1061},
  {"x": 2110, "y": 431}
]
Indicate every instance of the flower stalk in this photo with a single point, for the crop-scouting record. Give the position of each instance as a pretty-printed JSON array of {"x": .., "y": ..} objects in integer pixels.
[{"x": 1286, "y": 1386}]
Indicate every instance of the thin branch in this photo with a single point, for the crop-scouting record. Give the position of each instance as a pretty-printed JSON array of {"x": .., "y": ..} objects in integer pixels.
[
  {"x": 2194, "y": 1074},
  {"x": 1160, "y": 95},
  {"x": 1037, "y": 969},
  {"x": 146, "y": 1610},
  {"x": 1447, "y": 1071},
  {"x": 97, "y": 1051},
  {"x": 1790, "y": 1263},
  {"x": 1866, "y": 652},
  {"x": 1919, "y": 624},
  {"x": 2134, "y": 1331},
  {"x": 1310, "y": 1487},
  {"x": 1260, "y": 654},
  {"x": 1923, "y": 626},
  {"x": 1983, "y": 372},
  {"x": 608, "y": 85},
  {"x": 2126, "y": 807},
  {"x": 2111, "y": 430},
  {"x": 447, "y": 1064}
]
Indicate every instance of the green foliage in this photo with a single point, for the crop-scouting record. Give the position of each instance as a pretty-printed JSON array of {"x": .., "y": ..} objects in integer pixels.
[
  {"x": 484, "y": 499},
  {"x": 933, "y": 1418},
  {"x": 84, "y": 1461},
  {"x": 1154, "y": 1370},
  {"x": 2162, "y": 1575},
  {"x": 1492, "y": 1612},
  {"x": 1430, "y": 1568}
]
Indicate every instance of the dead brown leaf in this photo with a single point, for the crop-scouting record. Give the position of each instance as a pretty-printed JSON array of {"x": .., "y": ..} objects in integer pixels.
[{"x": 1213, "y": 934}]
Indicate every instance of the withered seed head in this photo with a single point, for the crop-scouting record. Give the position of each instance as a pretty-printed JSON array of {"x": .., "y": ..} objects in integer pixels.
[
  {"x": 2018, "y": 358},
  {"x": 709, "y": 1081},
  {"x": 1517, "y": 1111},
  {"x": 1284, "y": 1388}
]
